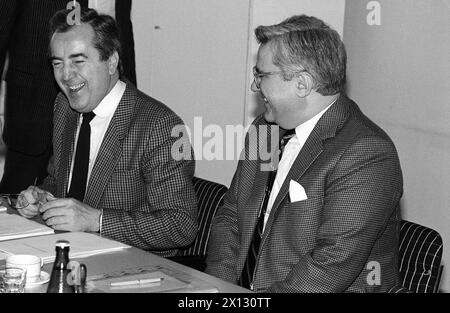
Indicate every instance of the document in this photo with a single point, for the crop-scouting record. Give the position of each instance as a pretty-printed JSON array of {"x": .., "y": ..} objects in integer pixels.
[
  {"x": 112, "y": 284},
  {"x": 168, "y": 280},
  {"x": 81, "y": 245},
  {"x": 13, "y": 226}
]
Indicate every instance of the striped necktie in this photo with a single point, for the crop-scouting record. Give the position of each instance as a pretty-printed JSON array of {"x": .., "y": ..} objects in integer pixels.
[{"x": 246, "y": 279}]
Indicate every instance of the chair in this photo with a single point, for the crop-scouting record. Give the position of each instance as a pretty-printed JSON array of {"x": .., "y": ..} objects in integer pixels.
[
  {"x": 210, "y": 197},
  {"x": 420, "y": 258}
]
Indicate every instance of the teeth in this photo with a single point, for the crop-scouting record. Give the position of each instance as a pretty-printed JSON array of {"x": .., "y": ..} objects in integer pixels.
[{"x": 76, "y": 87}]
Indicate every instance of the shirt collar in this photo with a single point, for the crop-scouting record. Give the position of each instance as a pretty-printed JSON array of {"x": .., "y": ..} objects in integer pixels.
[
  {"x": 108, "y": 105},
  {"x": 303, "y": 131}
]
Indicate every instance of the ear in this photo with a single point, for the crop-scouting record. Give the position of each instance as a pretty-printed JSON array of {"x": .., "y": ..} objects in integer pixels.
[
  {"x": 304, "y": 85},
  {"x": 113, "y": 63}
]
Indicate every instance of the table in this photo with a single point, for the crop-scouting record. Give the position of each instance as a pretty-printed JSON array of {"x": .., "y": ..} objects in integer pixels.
[
  {"x": 130, "y": 263},
  {"x": 134, "y": 258}
]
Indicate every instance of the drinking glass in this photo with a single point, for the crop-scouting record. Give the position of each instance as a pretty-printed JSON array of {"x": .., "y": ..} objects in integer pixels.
[{"x": 12, "y": 280}]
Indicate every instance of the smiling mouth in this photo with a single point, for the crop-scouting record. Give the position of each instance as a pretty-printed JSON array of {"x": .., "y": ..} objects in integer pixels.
[{"x": 76, "y": 88}]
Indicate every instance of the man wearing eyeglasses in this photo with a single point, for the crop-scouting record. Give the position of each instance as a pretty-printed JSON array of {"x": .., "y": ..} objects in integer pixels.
[{"x": 327, "y": 218}]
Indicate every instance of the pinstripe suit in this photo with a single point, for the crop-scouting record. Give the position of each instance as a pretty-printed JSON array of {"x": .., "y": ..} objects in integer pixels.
[
  {"x": 31, "y": 86},
  {"x": 350, "y": 171},
  {"x": 147, "y": 197}
]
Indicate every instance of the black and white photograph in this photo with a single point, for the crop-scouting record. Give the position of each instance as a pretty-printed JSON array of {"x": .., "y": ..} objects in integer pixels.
[{"x": 221, "y": 155}]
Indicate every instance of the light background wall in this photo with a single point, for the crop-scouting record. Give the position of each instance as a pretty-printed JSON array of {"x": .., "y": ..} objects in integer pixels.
[
  {"x": 192, "y": 56},
  {"x": 398, "y": 73}
]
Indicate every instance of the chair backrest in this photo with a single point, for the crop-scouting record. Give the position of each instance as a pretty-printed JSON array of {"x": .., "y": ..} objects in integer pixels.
[
  {"x": 420, "y": 258},
  {"x": 210, "y": 198}
]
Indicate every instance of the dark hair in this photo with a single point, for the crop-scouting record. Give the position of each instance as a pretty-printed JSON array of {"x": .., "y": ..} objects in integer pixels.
[
  {"x": 106, "y": 33},
  {"x": 306, "y": 43}
]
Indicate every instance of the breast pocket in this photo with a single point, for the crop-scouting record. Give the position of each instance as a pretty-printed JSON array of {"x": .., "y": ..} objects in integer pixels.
[
  {"x": 306, "y": 206},
  {"x": 303, "y": 217}
]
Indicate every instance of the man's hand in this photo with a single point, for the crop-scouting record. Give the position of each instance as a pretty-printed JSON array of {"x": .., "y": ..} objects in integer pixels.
[
  {"x": 35, "y": 197},
  {"x": 70, "y": 215}
]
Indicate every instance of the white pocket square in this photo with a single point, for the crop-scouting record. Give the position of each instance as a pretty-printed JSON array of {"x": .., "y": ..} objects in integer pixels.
[{"x": 296, "y": 191}]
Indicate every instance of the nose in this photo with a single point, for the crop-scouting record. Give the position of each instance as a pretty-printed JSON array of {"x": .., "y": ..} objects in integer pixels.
[
  {"x": 254, "y": 87},
  {"x": 67, "y": 72}
]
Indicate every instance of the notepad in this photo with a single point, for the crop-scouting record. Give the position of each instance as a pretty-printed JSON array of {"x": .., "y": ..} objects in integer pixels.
[
  {"x": 167, "y": 283},
  {"x": 171, "y": 281},
  {"x": 13, "y": 226},
  {"x": 81, "y": 245}
]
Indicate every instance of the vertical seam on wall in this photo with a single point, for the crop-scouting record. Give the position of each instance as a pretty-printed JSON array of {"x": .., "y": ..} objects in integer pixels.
[{"x": 249, "y": 41}]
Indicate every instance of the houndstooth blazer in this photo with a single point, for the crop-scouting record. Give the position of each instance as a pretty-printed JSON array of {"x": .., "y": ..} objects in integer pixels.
[
  {"x": 343, "y": 238},
  {"x": 147, "y": 196},
  {"x": 31, "y": 85}
]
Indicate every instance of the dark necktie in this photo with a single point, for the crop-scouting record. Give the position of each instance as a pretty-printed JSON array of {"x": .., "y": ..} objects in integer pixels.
[
  {"x": 246, "y": 278},
  {"x": 81, "y": 161}
]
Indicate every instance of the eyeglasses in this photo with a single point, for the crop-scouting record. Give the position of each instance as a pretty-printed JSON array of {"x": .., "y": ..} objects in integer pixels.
[
  {"x": 14, "y": 200},
  {"x": 257, "y": 75}
]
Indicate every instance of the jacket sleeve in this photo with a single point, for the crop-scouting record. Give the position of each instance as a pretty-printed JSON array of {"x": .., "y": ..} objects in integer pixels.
[
  {"x": 168, "y": 219},
  {"x": 224, "y": 241},
  {"x": 223, "y": 245}
]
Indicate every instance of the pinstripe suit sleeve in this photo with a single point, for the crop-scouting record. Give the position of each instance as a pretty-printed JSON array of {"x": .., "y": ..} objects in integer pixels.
[
  {"x": 168, "y": 218},
  {"x": 8, "y": 12},
  {"x": 361, "y": 195}
]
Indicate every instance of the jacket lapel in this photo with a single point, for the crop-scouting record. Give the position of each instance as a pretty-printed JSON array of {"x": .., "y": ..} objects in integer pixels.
[
  {"x": 68, "y": 135},
  {"x": 327, "y": 127},
  {"x": 259, "y": 171},
  {"x": 110, "y": 148}
]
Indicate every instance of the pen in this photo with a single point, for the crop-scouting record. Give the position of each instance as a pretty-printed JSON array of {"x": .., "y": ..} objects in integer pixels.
[{"x": 137, "y": 282}]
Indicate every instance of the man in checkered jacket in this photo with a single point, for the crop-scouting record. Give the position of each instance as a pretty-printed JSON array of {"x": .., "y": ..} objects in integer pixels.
[
  {"x": 137, "y": 188},
  {"x": 330, "y": 222}
]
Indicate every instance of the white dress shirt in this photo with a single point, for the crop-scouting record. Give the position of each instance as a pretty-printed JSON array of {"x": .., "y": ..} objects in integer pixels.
[
  {"x": 290, "y": 153},
  {"x": 99, "y": 124},
  {"x": 104, "y": 7}
]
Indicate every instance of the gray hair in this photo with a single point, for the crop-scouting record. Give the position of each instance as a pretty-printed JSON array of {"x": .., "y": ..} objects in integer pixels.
[{"x": 306, "y": 43}]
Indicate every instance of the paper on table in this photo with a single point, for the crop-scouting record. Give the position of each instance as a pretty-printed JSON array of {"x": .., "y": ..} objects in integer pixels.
[
  {"x": 167, "y": 283},
  {"x": 81, "y": 245},
  {"x": 172, "y": 281},
  {"x": 13, "y": 226}
]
